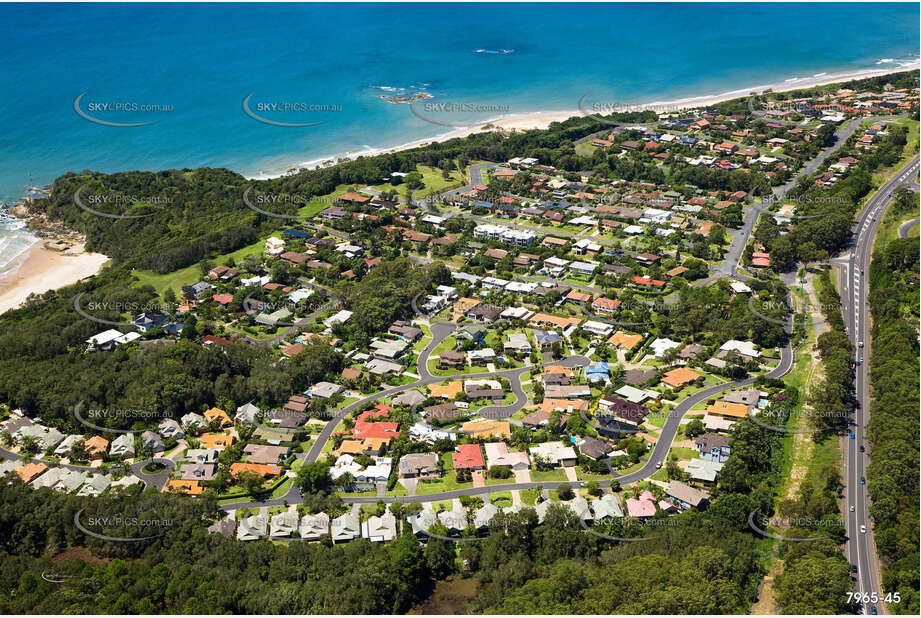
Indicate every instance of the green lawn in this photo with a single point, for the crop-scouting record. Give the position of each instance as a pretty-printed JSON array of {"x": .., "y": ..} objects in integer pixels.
[
  {"x": 682, "y": 452},
  {"x": 529, "y": 496},
  {"x": 448, "y": 482},
  {"x": 540, "y": 476},
  {"x": 192, "y": 274}
]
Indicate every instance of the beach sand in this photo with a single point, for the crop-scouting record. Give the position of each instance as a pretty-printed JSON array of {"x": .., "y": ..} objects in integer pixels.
[
  {"x": 44, "y": 269},
  {"x": 543, "y": 119}
]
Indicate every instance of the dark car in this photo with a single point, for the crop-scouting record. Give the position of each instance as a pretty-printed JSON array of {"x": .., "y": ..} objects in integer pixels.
[
  {"x": 863, "y": 481},
  {"x": 862, "y": 448}
]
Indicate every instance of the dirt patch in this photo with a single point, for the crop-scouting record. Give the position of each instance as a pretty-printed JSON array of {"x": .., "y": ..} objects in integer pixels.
[
  {"x": 79, "y": 553},
  {"x": 451, "y": 596},
  {"x": 766, "y": 604},
  {"x": 803, "y": 446}
]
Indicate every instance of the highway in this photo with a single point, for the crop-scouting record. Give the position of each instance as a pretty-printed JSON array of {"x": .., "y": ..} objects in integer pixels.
[{"x": 860, "y": 547}]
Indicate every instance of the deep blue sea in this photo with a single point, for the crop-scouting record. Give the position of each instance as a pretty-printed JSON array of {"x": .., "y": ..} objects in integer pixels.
[{"x": 199, "y": 61}]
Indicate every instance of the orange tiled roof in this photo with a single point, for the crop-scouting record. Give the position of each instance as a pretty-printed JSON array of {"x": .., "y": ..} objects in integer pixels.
[
  {"x": 679, "y": 377},
  {"x": 193, "y": 488},
  {"x": 216, "y": 440},
  {"x": 623, "y": 340},
  {"x": 448, "y": 391},
  {"x": 239, "y": 468},
  {"x": 29, "y": 471},
  {"x": 725, "y": 408}
]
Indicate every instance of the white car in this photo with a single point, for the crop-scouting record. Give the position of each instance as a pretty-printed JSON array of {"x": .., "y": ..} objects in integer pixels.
[{"x": 863, "y": 529}]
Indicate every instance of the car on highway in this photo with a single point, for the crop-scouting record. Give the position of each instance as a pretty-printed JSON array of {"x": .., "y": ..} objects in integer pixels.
[
  {"x": 852, "y": 435},
  {"x": 873, "y": 610},
  {"x": 853, "y": 568},
  {"x": 852, "y": 508},
  {"x": 860, "y": 360},
  {"x": 863, "y": 529},
  {"x": 863, "y": 480},
  {"x": 860, "y": 344},
  {"x": 862, "y": 448},
  {"x": 658, "y": 465}
]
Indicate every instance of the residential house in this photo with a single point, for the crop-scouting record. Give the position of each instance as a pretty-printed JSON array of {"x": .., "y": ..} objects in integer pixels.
[
  {"x": 713, "y": 447},
  {"x": 467, "y": 457},
  {"x": 678, "y": 378},
  {"x": 418, "y": 465},
  {"x": 314, "y": 527},
  {"x": 594, "y": 448},
  {"x": 497, "y": 454},
  {"x": 151, "y": 440},
  {"x": 96, "y": 447},
  {"x": 555, "y": 453},
  {"x": 248, "y": 414},
  {"x": 606, "y": 508},
  {"x": 283, "y": 525},
  {"x": 345, "y": 528},
  {"x": 252, "y": 528},
  {"x": 198, "y": 472},
  {"x": 684, "y": 496},
  {"x": 122, "y": 446},
  {"x": 377, "y": 529}
]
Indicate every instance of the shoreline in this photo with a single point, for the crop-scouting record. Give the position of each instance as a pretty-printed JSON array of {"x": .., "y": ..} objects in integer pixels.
[
  {"x": 543, "y": 119},
  {"x": 41, "y": 269}
]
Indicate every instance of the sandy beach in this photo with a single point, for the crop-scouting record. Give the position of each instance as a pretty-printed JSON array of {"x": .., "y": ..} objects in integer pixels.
[
  {"x": 44, "y": 269},
  {"x": 543, "y": 119}
]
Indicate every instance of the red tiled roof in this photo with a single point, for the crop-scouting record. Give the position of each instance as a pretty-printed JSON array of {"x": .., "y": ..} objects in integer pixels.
[
  {"x": 467, "y": 456},
  {"x": 648, "y": 281}
]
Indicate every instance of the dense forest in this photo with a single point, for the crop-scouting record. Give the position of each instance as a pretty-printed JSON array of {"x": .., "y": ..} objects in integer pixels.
[{"x": 892, "y": 475}]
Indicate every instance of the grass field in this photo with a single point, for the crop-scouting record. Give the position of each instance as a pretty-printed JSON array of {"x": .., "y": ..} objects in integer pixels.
[{"x": 192, "y": 274}]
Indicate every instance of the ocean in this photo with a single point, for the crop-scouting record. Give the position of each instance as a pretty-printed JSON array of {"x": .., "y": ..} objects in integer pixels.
[{"x": 186, "y": 69}]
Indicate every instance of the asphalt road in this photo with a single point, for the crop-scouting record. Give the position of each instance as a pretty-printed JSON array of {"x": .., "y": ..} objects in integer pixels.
[
  {"x": 903, "y": 229},
  {"x": 730, "y": 263},
  {"x": 440, "y": 332},
  {"x": 860, "y": 548}
]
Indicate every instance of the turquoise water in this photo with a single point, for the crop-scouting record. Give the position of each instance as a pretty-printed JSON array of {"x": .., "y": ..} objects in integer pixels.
[{"x": 200, "y": 61}]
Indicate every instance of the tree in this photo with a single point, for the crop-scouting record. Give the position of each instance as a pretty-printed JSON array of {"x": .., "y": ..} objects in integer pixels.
[
  {"x": 78, "y": 452},
  {"x": 313, "y": 478},
  {"x": 344, "y": 482},
  {"x": 252, "y": 482},
  {"x": 565, "y": 492},
  {"x": 694, "y": 428},
  {"x": 29, "y": 445},
  {"x": 593, "y": 488}
]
